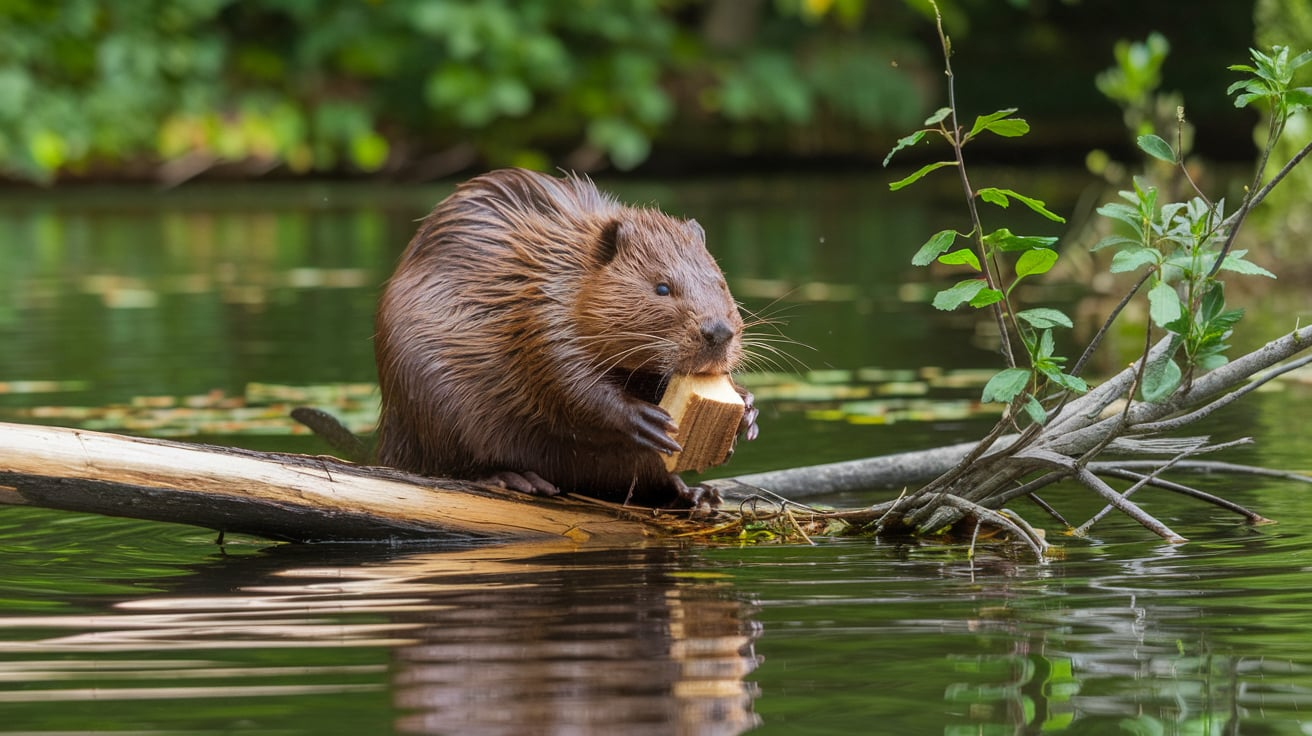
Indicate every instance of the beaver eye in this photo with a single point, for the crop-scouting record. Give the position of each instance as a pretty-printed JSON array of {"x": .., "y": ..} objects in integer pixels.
[{"x": 662, "y": 289}]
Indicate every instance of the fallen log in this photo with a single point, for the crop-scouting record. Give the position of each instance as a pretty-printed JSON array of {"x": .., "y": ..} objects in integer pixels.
[{"x": 281, "y": 496}]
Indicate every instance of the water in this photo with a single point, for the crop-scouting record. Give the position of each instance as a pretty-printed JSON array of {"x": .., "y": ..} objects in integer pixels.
[{"x": 113, "y": 625}]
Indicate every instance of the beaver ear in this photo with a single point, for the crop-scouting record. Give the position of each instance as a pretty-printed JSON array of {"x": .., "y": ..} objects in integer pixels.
[
  {"x": 697, "y": 230},
  {"x": 608, "y": 244}
]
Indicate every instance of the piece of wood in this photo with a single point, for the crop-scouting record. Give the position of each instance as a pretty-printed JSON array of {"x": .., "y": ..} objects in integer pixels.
[
  {"x": 707, "y": 410},
  {"x": 280, "y": 496}
]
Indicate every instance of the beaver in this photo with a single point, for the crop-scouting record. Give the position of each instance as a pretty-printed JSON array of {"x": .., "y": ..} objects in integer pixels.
[{"x": 528, "y": 332}]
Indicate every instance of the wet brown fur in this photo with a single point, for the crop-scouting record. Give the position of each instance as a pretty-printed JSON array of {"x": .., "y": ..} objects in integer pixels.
[{"x": 522, "y": 331}]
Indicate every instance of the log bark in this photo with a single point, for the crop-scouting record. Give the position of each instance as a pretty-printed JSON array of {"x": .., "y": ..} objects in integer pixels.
[
  {"x": 280, "y": 496},
  {"x": 314, "y": 499}
]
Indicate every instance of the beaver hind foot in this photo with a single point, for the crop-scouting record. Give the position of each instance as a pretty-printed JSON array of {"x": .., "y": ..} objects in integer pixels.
[{"x": 525, "y": 482}]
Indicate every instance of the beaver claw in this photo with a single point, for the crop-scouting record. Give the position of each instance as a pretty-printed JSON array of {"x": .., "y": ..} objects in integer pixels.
[
  {"x": 652, "y": 427},
  {"x": 526, "y": 482},
  {"x": 747, "y": 428}
]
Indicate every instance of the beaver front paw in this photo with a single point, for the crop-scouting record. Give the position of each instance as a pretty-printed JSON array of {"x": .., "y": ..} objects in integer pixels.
[
  {"x": 747, "y": 428},
  {"x": 651, "y": 427},
  {"x": 525, "y": 482}
]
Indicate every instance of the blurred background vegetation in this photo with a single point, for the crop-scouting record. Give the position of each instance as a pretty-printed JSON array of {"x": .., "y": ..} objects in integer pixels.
[{"x": 418, "y": 89}]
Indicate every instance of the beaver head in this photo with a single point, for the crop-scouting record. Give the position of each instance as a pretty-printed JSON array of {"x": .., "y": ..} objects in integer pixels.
[{"x": 655, "y": 301}]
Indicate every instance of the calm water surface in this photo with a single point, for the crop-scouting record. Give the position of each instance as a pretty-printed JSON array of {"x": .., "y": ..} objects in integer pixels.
[{"x": 118, "y": 626}]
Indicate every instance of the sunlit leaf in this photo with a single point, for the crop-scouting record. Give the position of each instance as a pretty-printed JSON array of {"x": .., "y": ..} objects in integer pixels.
[
  {"x": 922, "y": 171},
  {"x": 934, "y": 247},
  {"x": 1009, "y": 128},
  {"x": 983, "y": 121},
  {"x": 1034, "y": 262},
  {"x": 905, "y": 142},
  {"x": 963, "y": 256},
  {"x": 939, "y": 116},
  {"x": 958, "y": 294},
  {"x": 986, "y": 297},
  {"x": 1005, "y": 240},
  {"x": 1157, "y": 148},
  {"x": 994, "y": 195}
]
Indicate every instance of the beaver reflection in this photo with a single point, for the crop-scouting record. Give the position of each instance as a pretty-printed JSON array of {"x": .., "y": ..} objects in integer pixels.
[{"x": 574, "y": 643}]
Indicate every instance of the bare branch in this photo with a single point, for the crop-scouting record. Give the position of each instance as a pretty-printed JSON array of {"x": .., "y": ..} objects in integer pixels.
[{"x": 1097, "y": 485}]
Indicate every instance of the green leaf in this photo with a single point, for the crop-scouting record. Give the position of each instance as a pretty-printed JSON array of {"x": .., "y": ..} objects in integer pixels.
[
  {"x": 938, "y": 243},
  {"x": 994, "y": 195},
  {"x": 1034, "y": 262},
  {"x": 983, "y": 121},
  {"x": 1213, "y": 303},
  {"x": 1299, "y": 98},
  {"x": 1235, "y": 262},
  {"x": 1032, "y": 407},
  {"x": 1004, "y": 239},
  {"x": 939, "y": 116},
  {"x": 986, "y": 297},
  {"x": 959, "y": 257},
  {"x": 958, "y": 294},
  {"x": 1111, "y": 240},
  {"x": 1160, "y": 379},
  {"x": 1124, "y": 213},
  {"x": 1045, "y": 317},
  {"x": 1164, "y": 306},
  {"x": 918, "y": 174},
  {"x": 1067, "y": 381},
  {"x": 1009, "y": 128},
  {"x": 1246, "y": 99},
  {"x": 1005, "y": 385},
  {"x": 1157, "y": 148},
  {"x": 905, "y": 142},
  {"x": 1133, "y": 258},
  {"x": 1046, "y": 346}
]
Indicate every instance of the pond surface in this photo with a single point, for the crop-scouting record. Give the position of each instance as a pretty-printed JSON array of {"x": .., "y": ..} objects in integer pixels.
[{"x": 200, "y": 312}]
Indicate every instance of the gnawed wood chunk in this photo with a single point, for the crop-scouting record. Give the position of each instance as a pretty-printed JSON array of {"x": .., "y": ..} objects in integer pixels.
[{"x": 707, "y": 410}]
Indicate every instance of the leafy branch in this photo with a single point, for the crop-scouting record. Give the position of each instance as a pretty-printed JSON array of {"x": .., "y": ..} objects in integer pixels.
[
  {"x": 1180, "y": 249},
  {"x": 1019, "y": 385}
]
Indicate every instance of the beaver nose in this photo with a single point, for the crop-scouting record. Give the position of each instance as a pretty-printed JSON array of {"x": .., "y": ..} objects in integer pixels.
[{"x": 715, "y": 331}]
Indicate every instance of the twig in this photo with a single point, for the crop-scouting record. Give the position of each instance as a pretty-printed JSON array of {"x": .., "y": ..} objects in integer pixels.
[
  {"x": 1015, "y": 525},
  {"x": 957, "y": 145},
  {"x": 1203, "y": 466},
  {"x": 1166, "y": 485},
  {"x": 1107, "y": 324},
  {"x": 1084, "y": 528},
  {"x": 793, "y": 520},
  {"x": 1097, "y": 485}
]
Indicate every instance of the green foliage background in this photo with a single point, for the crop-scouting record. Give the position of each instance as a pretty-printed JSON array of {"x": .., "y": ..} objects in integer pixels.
[
  {"x": 420, "y": 88},
  {"x": 332, "y": 84}
]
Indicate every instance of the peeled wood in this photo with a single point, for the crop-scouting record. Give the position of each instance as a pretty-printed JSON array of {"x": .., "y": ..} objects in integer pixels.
[
  {"x": 278, "y": 496},
  {"x": 707, "y": 410}
]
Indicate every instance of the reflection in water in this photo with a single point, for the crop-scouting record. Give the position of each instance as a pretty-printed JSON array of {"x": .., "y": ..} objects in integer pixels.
[{"x": 485, "y": 640}]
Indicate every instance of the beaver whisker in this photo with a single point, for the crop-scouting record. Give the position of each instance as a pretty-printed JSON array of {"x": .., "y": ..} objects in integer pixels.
[
  {"x": 601, "y": 372},
  {"x": 773, "y": 342}
]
